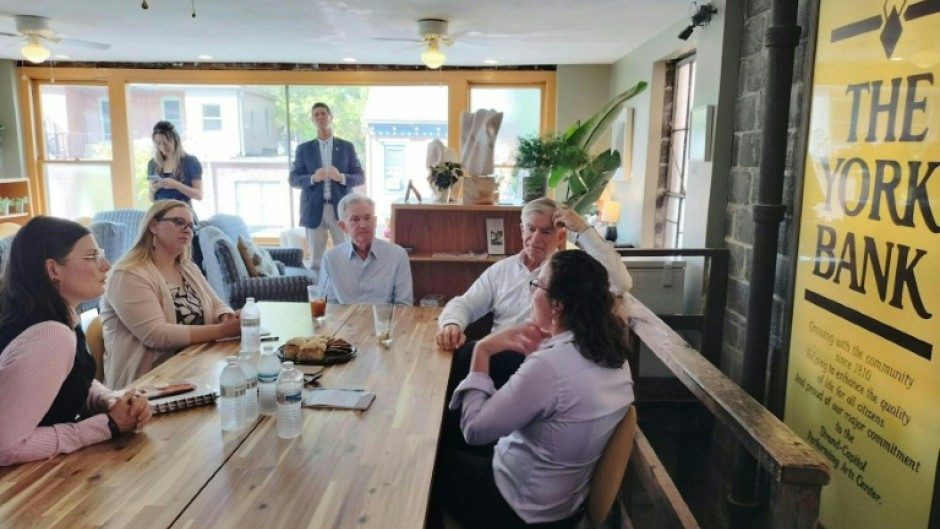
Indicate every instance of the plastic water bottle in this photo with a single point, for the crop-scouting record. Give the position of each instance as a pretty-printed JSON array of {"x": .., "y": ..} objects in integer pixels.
[
  {"x": 247, "y": 362},
  {"x": 232, "y": 390},
  {"x": 269, "y": 367},
  {"x": 289, "y": 385},
  {"x": 251, "y": 327}
]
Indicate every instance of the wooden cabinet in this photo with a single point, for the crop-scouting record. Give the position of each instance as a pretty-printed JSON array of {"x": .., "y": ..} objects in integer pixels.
[
  {"x": 15, "y": 188},
  {"x": 450, "y": 228}
]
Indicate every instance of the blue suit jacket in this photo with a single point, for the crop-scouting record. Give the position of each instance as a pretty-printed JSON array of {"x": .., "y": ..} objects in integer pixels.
[{"x": 306, "y": 162}]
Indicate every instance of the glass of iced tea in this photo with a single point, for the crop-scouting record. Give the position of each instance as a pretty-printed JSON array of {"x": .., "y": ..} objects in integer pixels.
[{"x": 317, "y": 300}]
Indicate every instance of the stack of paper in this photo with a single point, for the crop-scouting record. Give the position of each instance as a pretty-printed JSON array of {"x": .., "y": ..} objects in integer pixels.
[{"x": 345, "y": 399}]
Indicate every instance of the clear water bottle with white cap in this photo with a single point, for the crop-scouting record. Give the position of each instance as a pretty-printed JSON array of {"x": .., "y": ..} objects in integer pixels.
[
  {"x": 247, "y": 362},
  {"x": 232, "y": 395},
  {"x": 251, "y": 326},
  {"x": 269, "y": 367},
  {"x": 289, "y": 388}
]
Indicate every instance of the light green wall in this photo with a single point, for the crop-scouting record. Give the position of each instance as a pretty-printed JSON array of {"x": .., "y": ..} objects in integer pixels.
[
  {"x": 582, "y": 90},
  {"x": 11, "y": 139}
]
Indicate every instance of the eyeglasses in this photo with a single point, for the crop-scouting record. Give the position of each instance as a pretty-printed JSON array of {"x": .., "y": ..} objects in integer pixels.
[
  {"x": 534, "y": 284},
  {"x": 98, "y": 257},
  {"x": 180, "y": 224}
]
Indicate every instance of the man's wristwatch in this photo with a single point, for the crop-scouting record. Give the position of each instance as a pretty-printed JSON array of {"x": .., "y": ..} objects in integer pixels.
[{"x": 112, "y": 425}]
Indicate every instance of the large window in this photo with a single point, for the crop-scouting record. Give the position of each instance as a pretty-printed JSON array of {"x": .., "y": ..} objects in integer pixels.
[
  {"x": 246, "y": 135},
  {"x": 522, "y": 116},
  {"x": 74, "y": 158},
  {"x": 677, "y": 175}
]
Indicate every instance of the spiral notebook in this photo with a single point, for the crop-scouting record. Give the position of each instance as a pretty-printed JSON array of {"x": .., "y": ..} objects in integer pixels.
[{"x": 200, "y": 396}]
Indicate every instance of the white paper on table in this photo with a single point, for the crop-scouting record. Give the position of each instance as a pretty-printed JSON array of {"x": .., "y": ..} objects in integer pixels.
[{"x": 264, "y": 332}]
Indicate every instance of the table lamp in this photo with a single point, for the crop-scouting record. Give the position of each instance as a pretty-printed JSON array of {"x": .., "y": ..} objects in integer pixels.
[{"x": 609, "y": 216}]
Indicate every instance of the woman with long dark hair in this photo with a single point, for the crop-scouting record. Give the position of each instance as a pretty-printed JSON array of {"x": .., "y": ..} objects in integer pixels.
[
  {"x": 49, "y": 401},
  {"x": 554, "y": 416},
  {"x": 173, "y": 174}
]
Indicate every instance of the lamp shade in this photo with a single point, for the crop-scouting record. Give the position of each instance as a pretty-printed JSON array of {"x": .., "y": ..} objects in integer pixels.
[
  {"x": 433, "y": 58},
  {"x": 33, "y": 51},
  {"x": 611, "y": 211}
]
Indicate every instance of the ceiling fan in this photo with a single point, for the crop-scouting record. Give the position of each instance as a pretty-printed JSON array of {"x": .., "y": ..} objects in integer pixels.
[
  {"x": 35, "y": 30},
  {"x": 433, "y": 33}
]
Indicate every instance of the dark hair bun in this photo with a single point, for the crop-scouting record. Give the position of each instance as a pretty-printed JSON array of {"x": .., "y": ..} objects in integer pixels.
[{"x": 163, "y": 126}]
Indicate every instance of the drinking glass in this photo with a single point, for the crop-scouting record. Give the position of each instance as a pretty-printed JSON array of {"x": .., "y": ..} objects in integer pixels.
[
  {"x": 317, "y": 299},
  {"x": 384, "y": 317}
]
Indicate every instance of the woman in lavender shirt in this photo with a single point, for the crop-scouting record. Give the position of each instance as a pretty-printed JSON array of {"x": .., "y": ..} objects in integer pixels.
[
  {"x": 49, "y": 401},
  {"x": 552, "y": 419}
]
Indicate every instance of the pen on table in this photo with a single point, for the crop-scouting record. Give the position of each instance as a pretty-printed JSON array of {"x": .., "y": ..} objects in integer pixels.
[{"x": 270, "y": 338}]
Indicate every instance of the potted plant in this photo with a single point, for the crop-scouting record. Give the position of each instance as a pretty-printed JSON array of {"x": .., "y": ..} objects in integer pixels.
[
  {"x": 587, "y": 182},
  {"x": 442, "y": 178},
  {"x": 5, "y": 205},
  {"x": 568, "y": 159},
  {"x": 536, "y": 156},
  {"x": 20, "y": 204}
]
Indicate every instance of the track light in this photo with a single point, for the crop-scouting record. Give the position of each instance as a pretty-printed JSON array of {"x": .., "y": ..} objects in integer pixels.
[
  {"x": 700, "y": 18},
  {"x": 33, "y": 51}
]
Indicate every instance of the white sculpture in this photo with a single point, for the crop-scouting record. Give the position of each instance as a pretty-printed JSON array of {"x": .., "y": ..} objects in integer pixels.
[
  {"x": 478, "y": 139},
  {"x": 438, "y": 153}
]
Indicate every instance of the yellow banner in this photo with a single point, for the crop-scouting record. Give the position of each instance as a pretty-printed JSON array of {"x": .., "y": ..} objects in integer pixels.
[{"x": 864, "y": 372}]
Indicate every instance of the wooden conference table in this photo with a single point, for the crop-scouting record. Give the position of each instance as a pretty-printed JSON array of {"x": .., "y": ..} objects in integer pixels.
[{"x": 347, "y": 469}]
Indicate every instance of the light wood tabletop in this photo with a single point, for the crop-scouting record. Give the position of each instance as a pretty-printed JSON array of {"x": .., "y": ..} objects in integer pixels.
[{"x": 348, "y": 468}]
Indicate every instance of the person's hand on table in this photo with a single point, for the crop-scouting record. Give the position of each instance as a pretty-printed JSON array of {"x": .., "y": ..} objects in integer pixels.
[
  {"x": 450, "y": 337},
  {"x": 131, "y": 411}
]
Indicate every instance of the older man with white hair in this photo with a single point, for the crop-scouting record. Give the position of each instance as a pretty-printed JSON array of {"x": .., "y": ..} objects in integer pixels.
[
  {"x": 364, "y": 269},
  {"x": 504, "y": 287}
]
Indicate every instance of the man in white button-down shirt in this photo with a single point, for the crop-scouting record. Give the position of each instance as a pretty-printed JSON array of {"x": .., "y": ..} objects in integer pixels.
[{"x": 504, "y": 287}]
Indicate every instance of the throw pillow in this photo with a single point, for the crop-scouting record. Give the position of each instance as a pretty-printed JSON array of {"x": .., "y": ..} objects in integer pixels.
[{"x": 258, "y": 261}]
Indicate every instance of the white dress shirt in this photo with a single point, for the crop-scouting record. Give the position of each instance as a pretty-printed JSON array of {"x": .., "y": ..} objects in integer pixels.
[
  {"x": 504, "y": 287},
  {"x": 553, "y": 419}
]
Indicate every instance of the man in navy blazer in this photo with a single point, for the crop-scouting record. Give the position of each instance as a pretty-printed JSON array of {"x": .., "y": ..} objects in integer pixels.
[{"x": 325, "y": 169}]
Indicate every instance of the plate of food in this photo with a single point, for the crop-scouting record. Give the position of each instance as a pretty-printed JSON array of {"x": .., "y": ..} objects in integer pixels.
[{"x": 317, "y": 350}]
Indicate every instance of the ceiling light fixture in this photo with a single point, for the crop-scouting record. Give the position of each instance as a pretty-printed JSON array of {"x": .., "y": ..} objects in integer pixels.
[
  {"x": 433, "y": 58},
  {"x": 350, "y": 59},
  {"x": 204, "y": 57},
  {"x": 701, "y": 18},
  {"x": 490, "y": 61},
  {"x": 33, "y": 51}
]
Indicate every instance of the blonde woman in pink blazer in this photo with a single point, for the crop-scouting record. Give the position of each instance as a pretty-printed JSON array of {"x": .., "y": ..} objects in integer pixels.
[{"x": 157, "y": 301}]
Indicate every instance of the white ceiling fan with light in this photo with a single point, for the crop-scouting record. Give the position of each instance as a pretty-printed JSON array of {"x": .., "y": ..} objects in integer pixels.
[
  {"x": 35, "y": 30},
  {"x": 433, "y": 33}
]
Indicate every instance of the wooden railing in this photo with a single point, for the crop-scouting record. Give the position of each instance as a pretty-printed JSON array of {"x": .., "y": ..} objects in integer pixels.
[{"x": 796, "y": 470}]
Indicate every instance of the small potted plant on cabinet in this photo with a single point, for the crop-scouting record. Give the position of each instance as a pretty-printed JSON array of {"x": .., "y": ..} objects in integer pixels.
[
  {"x": 20, "y": 204},
  {"x": 5, "y": 206},
  {"x": 442, "y": 178}
]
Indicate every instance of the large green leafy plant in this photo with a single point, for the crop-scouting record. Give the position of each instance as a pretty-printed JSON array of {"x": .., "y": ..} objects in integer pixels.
[{"x": 569, "y": 158}]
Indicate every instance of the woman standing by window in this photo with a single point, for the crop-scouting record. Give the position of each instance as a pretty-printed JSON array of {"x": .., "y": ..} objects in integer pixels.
[{"x": 173, "y": 174}]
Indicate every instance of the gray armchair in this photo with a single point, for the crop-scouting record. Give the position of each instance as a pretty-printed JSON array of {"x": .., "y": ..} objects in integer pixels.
[
  {"x": 234, "y": 227},
  {"x": 112, "y": 238},
  {"x": 5, "y": 254},
  {"x": 129, "y": 218},
  {"x": 228, "y": 276}
]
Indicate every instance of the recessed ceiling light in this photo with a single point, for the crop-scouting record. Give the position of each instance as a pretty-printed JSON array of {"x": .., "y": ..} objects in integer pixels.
[
  {"x": 204, "y": 57},
  {"x": 350, "y": 59},
  {"x": 61, "y": 56},
  {"x": 490, "y": 61}
]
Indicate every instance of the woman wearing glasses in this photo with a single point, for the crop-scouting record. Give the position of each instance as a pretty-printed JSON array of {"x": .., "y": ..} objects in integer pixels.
[
  {"x": 553, "y": 417},
  {"x": 157, "y": 301},
  {"x": 172, "y": 173},
  {"x": 49, "y": 401}
]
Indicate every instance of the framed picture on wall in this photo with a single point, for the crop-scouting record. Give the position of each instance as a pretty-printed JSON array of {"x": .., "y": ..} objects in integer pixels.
[{"x": 495, "y": 237}]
